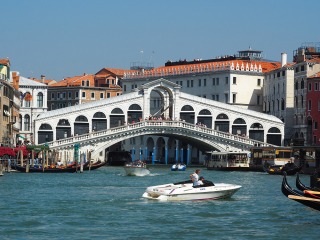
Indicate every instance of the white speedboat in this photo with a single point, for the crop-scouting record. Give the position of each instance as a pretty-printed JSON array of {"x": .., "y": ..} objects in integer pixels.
[
  {"x": 137, "y": 168},
  {"x": 178, "y": 167},
  {"x": 185, "y": 191}
]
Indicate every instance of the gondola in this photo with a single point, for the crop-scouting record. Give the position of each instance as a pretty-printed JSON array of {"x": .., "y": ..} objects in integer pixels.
[
  {"x": 45, "y": 170},
  {"x": 303, "y": 187},
  {"x": 298, "y": 195},
  {"x": 94, "y": 166},
  {"x": 289, "y": 168}
]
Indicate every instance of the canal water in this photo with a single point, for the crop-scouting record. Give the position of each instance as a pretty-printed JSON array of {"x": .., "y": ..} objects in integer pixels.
[{"x": 106, "y": 204}]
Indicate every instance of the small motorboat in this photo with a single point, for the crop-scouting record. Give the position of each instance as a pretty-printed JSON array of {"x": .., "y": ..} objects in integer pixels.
[
  {"x": 183, "y": 191},
  {"x": 178, "y": 167},
  {"x": 136, "y": 168}
]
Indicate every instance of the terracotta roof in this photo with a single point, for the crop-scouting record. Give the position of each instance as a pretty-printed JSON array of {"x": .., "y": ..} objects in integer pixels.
[
  {"x": 115, "y": 71},
  {"x": 74, "y": 81},
  {"x": 4, "y": 61},
  {"x": 314, "y": 60},
  {"x": 46, "y": 81}
]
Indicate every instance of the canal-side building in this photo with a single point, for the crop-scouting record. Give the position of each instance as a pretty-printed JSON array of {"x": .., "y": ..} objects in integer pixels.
[
  {"x": 278, "y": 95},
  {"x": 33, "y": 101},
  {"x": 8, "y": 106},
  {"x": 313, "y": 110},
  {"x": 235, "y": 80},
  {"x": 307, "y": 63},
  {"x": 80, "y": 89}
]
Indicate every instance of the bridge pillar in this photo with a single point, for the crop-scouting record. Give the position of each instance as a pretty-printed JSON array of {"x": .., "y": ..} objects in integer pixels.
[{"x": 146, "y": 103}]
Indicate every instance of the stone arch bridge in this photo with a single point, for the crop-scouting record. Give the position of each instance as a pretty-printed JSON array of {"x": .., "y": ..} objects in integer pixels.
[{"x": 202, "y": 123}]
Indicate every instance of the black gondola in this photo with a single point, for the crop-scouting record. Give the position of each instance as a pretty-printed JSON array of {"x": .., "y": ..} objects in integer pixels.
[
  {"x": 303, "y": 187},
  {"x": 289, "y": 168},
  {"x": 45, "y": 170},
  {"x": 298, "y": 196}
]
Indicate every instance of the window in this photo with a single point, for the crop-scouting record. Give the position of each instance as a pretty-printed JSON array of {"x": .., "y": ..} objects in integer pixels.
[
  {"x": 88, "y": 83},
  {"x": 69, "y": 95},
  {"x": 204, "y": 82},
  {"x": 199, "y": 82},
  {"x": 26, "y": 123},
  {"x": 309, "y": 87},
  {"x": 217, "y": 97},
  {"x": 52, "y": 95},
  {"x": 301, "y": 101},
  {"x": 234, "y": 80},
  {"x": 283, "y": 73},
  {"x": 101, "y": 96},
  {"x": 92, "y": 95},
  {"x": 315, "y": 125},
  {"x": 124, "y": 88},
  {"x": 258, "y": 99},
  {"x": 234, "y": 97},
  {"x": 259, "y": 82},
  {"x": 191, "y": 83},
  {"x": 83, "y": 94},
  {"x": 226, "y": 96},
  {"x": 316, "y": 86},
  {"x": 213, "y": 81},
  {"x": 278, "y": 74},
  {"x": 319, "y": 106},
  {"x": 309, "y": 105},
  {"x": 213, "y": 97},
  {"x": 40, "y": 100},
  {"x": 282, "y": 104},
  {"x": 181, "y": 83},
  {"x": 108, "y": 95},
  {"x": 82, "y": 83},
  {"x": 77, "y": 94},
  {"x": 302, "y": 68},
  {"x": 188, "y": 83},
  {"x": 302, "y": 84},
  {"x": 227, "y": 80}
]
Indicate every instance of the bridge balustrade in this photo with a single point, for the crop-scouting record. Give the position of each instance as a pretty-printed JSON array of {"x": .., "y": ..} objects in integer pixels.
[{"x": 153, "y": 124}]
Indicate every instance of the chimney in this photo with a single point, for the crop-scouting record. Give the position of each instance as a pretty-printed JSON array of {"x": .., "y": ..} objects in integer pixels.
[
  {"x": 283, "y": 59},
  {"x": 15, "y": 78},
  {"x": 43, "y": 77}
]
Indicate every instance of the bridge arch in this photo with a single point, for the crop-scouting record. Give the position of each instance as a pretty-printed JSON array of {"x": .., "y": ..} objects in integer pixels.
[
  {"x": 63, "y": 129},
  {"x": 81, "y": 125},
  {"x": 222, "y": 123},
  {"x": 256, "y": 131},
  {"x": 99, "y": 121},
  {"x": 117, "y": 117},
  {"x": 187, "y": 114},
  {"x": 45, "y": 133},
  {"x": 205, "y": 118},
  {"x": 239, "y": 127},
  {"x": 134, "y": 113}
]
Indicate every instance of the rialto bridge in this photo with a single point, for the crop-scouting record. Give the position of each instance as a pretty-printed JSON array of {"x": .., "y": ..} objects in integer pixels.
[{"x": 175, "y": 124}]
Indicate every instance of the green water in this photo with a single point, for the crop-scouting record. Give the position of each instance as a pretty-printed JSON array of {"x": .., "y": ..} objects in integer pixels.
[{"x": 106, "y": 204}]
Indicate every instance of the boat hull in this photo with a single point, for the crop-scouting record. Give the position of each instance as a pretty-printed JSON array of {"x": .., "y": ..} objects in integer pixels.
[
  {"x": 186, "y": 192},
  {"x": 136, "y": 171}
]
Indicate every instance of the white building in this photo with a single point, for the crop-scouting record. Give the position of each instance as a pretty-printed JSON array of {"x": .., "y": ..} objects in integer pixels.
[
  {"x": 33, "y": 97},
  {"x": 235, "y": 80}
]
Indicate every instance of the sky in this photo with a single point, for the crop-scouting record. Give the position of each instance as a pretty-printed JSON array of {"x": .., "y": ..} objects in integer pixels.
[{"x": 66, "y": 38}]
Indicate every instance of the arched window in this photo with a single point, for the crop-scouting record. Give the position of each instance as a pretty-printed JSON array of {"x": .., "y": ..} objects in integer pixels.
[
  {"x": 26, "y": 123},
  {"x": 20, "y": 122},
  {"x": 40, "y": 100},
  {"x": 117, "y": 111}
]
